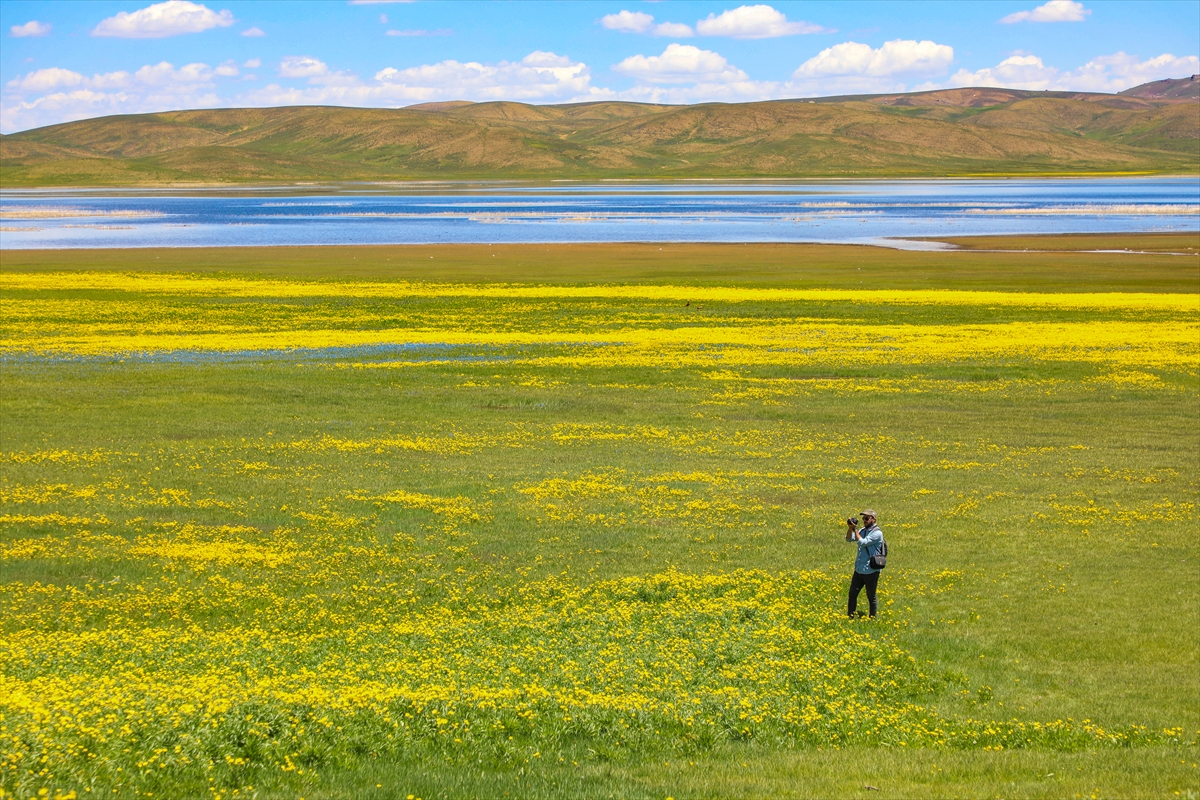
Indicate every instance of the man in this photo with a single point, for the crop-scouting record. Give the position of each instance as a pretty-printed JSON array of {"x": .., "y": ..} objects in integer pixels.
[{"x": 870, "y": 542}]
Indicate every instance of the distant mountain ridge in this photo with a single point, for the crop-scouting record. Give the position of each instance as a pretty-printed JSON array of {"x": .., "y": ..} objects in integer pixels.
[
  {"x": 1152, "y": 128},
  {"x": 1171, "y": 89}
]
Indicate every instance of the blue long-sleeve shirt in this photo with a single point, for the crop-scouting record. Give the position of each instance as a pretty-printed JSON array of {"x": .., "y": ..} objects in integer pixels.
[{"x": 868, "y": 545}]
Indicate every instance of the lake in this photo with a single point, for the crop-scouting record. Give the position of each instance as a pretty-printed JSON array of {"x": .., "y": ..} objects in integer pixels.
[{"x": 866, "y": 212}]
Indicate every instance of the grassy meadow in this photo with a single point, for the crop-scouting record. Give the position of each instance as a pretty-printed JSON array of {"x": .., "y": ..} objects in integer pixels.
[{"x": 542, "y": 521}]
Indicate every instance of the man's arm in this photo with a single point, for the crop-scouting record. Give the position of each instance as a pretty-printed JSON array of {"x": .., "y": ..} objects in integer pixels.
[{"x": 871, "y": 539}]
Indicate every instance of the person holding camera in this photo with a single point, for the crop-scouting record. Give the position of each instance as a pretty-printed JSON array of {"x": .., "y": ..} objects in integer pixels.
[{"x": 872, "y": 553}]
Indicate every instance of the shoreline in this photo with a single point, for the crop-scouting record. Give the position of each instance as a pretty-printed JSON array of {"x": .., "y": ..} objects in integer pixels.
[{"x": 558, "y": 182}]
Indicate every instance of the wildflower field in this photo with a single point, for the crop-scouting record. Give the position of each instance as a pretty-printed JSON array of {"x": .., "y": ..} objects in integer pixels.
[{"x": 546, "y": 521}]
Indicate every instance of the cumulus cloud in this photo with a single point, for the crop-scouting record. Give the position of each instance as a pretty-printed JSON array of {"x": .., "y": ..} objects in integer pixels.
[
  {"x": 31, "y": 28},
  {"x": 164, "y": 74},
  {"x": 851, "y": 67},
  {"x": 1052, "y": 11},
  {"x": 628, "y": 21},
  {"x": 896, "y": 56},
  {"x": 253, "y": 63},
  {"x": 540, "y": 75},
  {"x": 160, "y": 20},
  {"x": 45, "y": 79},
  {"x": 754, "y": 22},
  {"x": 675, "y": 30},
  {"x": 744, "y": 91},
  {"x": 254, "y": 32},
  {"x": 680, "y": 63},
  {"x": 1014, "y": 72},
  {"x": 686, "y": 74},
  {"x": 149, "y": 76},
  {"x": 302, "y": 67},
  {"x": 640, "y": 22},
  {"x": 1127, "y": 71},
  {"x": 53, "y": 95},
  {"x": 1111, "y": 73}
]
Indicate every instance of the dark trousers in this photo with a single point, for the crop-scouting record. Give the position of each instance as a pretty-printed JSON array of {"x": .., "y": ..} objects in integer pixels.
[{"x": 856, "y": 584}]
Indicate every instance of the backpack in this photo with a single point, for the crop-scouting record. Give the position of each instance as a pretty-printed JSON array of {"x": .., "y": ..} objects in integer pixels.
[{"x": 879, "y": 560}]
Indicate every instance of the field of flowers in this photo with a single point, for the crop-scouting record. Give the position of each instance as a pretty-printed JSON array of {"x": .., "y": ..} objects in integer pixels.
[{"x": 258, "y": 533}]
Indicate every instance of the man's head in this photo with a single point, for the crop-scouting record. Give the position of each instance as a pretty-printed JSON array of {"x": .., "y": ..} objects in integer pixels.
[{"x": 868, "y": 516}]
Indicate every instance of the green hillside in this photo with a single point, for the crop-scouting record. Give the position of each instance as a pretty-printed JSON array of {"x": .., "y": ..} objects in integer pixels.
[{"x": 954, "y": 132}]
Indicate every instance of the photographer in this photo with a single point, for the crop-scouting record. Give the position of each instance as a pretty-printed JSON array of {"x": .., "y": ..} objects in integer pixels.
[{"x": 870, "y": 544}]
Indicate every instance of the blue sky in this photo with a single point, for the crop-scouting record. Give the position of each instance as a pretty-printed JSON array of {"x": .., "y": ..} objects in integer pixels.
[{"x": 67, "y": 60}]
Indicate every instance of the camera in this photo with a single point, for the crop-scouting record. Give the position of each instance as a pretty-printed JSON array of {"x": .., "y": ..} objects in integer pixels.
[{"x": 853, "y": 521}]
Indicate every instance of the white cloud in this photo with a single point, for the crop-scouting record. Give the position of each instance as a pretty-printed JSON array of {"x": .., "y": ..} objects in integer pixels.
[
  {"x": 544, "y": 59},
  {"x": 1126, "y": 71},
  {"x": 639, "y": 22},
  {"x": 253, "y": 63},
  {"x": 1112, "y": 73},
  {"x": 383, "y": 19},
  {"x": 422, "y": 32},
  {"x": 539, "y": 76},
  {"x": 254, "y": 32},
  {"x": 1052, "y": 11},
  {"x": 628, "y": 22},
  {"x": 171, "y": 18},
  {"x": 702, "y": 92},
  {"x": 754, "y": 22},
  {"x": 675, "y": 30},
  {"x": 31, "y": 28},
  {"x": 45, "y": 79},
  {"x": 302, "y": 67},
  {"x": 148, "y": 77},
  {"x": 899, "y": 56},
  {"x": 50, "y": 96},
  {"x": 681, "y": 63},
  {"x": 54, "y": 95},
  {"x": 1014, "y": 72},
  {"x": 164, "y": 74},
  {"x": 854, "y": 68},
  {"x": 112, "y": 80}
]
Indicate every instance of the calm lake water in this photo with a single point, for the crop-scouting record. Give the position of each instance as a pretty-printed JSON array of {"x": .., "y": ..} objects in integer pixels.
[{"x": 849, "y": 212}]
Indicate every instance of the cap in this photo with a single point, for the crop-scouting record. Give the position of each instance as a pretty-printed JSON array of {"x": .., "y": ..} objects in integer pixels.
[{"x": 866, "y": 512}]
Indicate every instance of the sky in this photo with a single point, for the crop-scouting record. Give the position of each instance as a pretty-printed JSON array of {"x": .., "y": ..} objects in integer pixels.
[{"x": 65, "y": 60}]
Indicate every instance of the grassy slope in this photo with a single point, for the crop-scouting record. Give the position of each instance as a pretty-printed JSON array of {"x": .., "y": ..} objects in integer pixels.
[
  {"x": 509, "y": 140},
  {"x": 1118, "y": 646}
]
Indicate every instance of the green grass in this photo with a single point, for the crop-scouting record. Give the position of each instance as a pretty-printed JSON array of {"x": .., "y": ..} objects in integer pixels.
[
  {"x": 1045, "y": 263},
  {"x": 1039, "y": 510},
  {"x": 825, "y": 773}
]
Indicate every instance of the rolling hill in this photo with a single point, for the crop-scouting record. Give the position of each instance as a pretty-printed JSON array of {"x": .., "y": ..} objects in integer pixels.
[{"x": 1150, "y": 129}]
